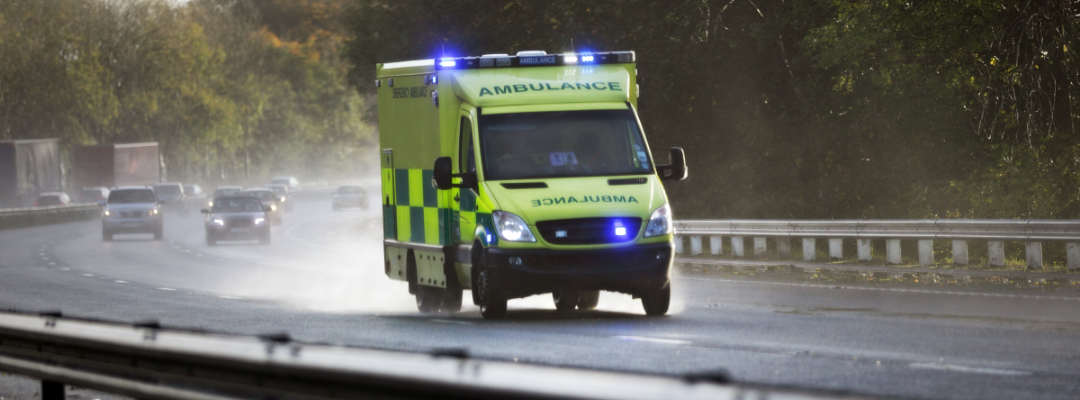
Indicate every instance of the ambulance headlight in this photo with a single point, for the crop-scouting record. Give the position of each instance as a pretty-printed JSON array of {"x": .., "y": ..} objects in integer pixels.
[
  {"x": 512, "y": 228},
  {"x": 659, "y": 222}
]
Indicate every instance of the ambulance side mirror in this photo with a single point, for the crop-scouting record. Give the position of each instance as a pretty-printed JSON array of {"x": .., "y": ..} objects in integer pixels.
[
  {"x": 676, "y": 170},
  {"x": 443, "y": 174}
]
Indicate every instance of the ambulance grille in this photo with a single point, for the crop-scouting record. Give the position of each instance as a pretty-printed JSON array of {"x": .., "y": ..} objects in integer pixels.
[{"x": 589, "y": 230}]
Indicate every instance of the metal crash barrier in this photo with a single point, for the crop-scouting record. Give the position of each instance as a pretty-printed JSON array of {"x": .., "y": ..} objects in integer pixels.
[
  {"x": 12, "y": 218},
  {"x": 146, "y": 361},
  {"x": 959, "y": 231}
]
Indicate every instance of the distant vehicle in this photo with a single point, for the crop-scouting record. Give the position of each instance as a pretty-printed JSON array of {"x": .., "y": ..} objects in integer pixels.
[
  {"x": 29, "y": 167},
  {"x": 289, "y": 181},
  {"x": 172, "y": 197},
  {"x": 284, "y": 195},
  {"x": 132, "y": 210},
  {"x": 349, "y": 196},
  {"x": 237, "y": 217},
  {"x": 93, "y": 195},
  {"x": 112, "y": 165},
  {"x": 52, "y": 199},
  {"x": 268, "y": 199},
  {"x": 196, "y": 197}
]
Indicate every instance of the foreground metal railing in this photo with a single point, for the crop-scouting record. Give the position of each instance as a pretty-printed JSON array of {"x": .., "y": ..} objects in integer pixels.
[
  {"x": 995, "y": 232},
  {"x": 11, "y": 218},
  {"x": 146, "y": 361}
]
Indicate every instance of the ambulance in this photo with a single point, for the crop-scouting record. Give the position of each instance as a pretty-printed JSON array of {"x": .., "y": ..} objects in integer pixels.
[{"x": 521, "y": 175}]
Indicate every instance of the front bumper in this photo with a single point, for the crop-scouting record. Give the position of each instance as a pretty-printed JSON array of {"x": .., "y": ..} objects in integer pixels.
[
  {"x": 132, "y": 225},
  {"x": 633, "y": 269},
  {"x": 242, "y": 233}
]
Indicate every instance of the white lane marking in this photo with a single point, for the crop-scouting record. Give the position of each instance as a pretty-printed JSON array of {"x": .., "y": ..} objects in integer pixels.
[
  {"x": 65, "y": 269},
  {"x": 166, "y": 289},
  {"x": 676, "y": 342},
  {"x": 120, "y": 281},
  {"x": 230, "y": 298},
  {"x": 920, "y": 291},
  {"x": 450, "y": 321},
  {"x": 87, "y": 274},
  {"x": 52, "y": 263},
  {"x": 970, "y": 370}
]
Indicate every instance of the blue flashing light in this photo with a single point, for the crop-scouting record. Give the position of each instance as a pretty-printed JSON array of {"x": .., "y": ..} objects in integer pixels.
[
  {"x": 620, "y": 231},
  {"x": 434, "y": 79},
  {"x": 447, "y": 63},
  {"x": 588, "y": 58},
  {"x": 489, "y": 238}
]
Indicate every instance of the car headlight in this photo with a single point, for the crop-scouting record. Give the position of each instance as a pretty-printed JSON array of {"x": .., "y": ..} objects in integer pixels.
[
  {"x": 211, "y": 203},
  {"x": 259, "y": 220},
  {"x": 273, "y": 207},
  {"x": 154, "y": 212},
  {"x": 219, "y": 221},
  {"x": 512, "y": 228},
  {"x": 107, "y": 213},
  {"x": 282, "y": 199},
  {"x": 659, "y": 222}
]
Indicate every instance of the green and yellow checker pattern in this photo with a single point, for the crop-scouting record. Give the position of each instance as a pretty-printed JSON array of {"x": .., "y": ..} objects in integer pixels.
[{"x": 421, "y": 213}]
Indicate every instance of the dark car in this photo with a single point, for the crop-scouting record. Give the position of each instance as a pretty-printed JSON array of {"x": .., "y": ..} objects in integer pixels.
[
  {"x": 223, "y": 191},
  {"x": 269, "y": 200},
  {"x": 350, "y": 196},
  {"x": 172, "y": 197},
  {"x": 284, "y": 195},
  {"x": 237, "y": 218},
  {"x": 93, "y": 195}
]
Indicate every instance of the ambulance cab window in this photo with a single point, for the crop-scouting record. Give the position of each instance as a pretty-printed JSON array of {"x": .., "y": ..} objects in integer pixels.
[
  {"x": 466, "y": 159},
  {"x": 562, "y": 144}
]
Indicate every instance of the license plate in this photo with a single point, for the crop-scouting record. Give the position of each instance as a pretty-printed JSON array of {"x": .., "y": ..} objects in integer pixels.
[
  {"x": 131, "y": 224},
  {"x": 240, "y": 230}
]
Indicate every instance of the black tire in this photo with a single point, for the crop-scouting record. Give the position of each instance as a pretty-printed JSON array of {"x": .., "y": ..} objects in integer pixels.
[
  {"x": 587, "y": 300},
  {"x": 656, "y": 302},
  {"x": 106, "y": 236},
  {"x": 451, "y": 300},
  {"x": 159, "y": 233},
  {"x": 428, "y": 299},
  {"x": 492, "y": 302},
  {"x": 565, "y": 301}
]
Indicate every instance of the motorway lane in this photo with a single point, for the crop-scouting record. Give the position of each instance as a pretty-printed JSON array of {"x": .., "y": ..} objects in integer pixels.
[{"x": 322, "y": 281}]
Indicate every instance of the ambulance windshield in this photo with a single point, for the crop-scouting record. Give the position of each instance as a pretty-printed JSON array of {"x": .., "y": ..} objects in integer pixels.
[{"x": 562, "y": 144}]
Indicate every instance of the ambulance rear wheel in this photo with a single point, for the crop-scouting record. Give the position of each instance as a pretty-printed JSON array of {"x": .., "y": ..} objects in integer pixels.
[
  {"x": 428, "y": 299},
  {"x": 565, "y": 301},
  {"x": 587, "y": 300},
  {"x": 451, "y": 300},
  {"x": 656, "y": 302}
]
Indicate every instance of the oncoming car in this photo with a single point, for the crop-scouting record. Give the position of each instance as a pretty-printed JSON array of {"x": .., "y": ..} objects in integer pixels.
[
  {"x": 284, "y": 196},
  {"x": 52, "y": 199},
  {"x": 132, "y": 210},
  {"x": 289, "y": 181},
  {"x": 172, "y": 197},
  {"x": 237, "y": 217},
  {"x": 350, "y": 196},
  {"x": 269, "y": 200}
]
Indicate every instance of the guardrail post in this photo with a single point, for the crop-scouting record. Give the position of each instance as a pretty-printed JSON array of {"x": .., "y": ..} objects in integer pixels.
[
  {"x": 1072, "y": 255},
  {"x": 761, "y": 249},
  {"x": 809, "y": 249},
  {"x": 995, "y": 251},
  {"x": 783, "y": 248},
  {"x": 836, "y": 249},
  {"x": 926, "y": 253},
  {"x": 52, "y": 390},
  {"x": 1034, "y": 255},
  {"x": 892, "y": 251},
  {"x": 695, "y": 245},
  {"x": 716, "y": 244},
  {"x": 959, "y": 252},
  {"x": 737, "y": 246},
  {"x": 864, "y": 250},
  {"x": 678, "y": 244}
]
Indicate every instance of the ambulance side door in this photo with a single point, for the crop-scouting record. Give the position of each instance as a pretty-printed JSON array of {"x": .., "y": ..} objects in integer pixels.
[{"x": 464, "y": 200}]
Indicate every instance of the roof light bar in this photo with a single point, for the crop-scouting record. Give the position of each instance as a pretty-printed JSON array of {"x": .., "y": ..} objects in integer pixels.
[{"x": 534, "y": 59}]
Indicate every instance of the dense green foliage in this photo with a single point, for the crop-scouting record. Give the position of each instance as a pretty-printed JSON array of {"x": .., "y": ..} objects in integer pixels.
[
  {"x": 810, "y": 108},
  {"x": 227, "y": 97}
]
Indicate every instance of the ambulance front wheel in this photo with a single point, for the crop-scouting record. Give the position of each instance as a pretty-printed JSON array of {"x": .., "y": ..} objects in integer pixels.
[
  {"x": 487, "y": 295},
  {"x": 656, "y": 302}
]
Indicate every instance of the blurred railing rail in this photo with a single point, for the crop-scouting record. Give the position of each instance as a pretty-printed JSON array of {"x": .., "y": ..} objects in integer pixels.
[
  {"x": 995, "y": 232},
  {"x": 146, "y": 361},
  {"x": 11, "y": 218}
]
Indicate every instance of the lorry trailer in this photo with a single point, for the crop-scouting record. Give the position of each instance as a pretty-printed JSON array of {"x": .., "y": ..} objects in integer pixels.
[
  {"x": 518, "y": 175},
  {"x": 27, "y": 168},
  {"x": 113, "y": 165}
]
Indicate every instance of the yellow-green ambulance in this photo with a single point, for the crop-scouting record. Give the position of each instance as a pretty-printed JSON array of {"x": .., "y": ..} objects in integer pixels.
[{"x": 518, "y": 175}]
